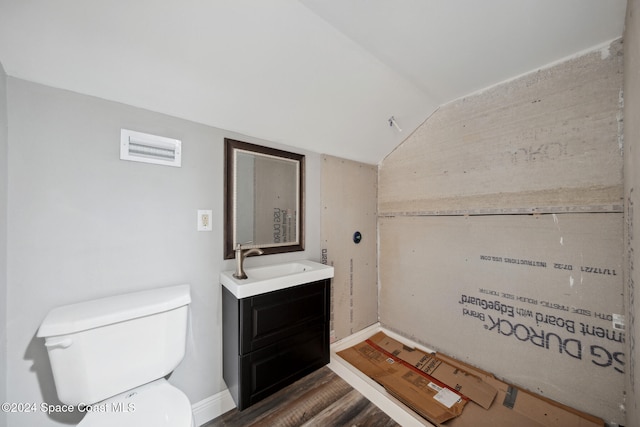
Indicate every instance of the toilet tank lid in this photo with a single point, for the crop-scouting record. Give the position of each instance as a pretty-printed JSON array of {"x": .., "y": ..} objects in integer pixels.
[{"x": 81, "y": 316}]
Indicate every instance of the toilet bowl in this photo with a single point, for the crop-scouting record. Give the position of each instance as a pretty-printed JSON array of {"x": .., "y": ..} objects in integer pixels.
[{"x": 110, "y": 357}]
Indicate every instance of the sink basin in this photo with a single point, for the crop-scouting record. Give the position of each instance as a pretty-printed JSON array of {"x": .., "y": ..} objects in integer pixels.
[{"x": 275, "y": 277}]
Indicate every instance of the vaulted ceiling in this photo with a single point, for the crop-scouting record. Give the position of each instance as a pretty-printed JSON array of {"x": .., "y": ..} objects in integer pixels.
[{"x": 322, "y": 75}]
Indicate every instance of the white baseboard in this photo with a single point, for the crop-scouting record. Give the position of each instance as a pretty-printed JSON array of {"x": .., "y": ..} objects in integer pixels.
[
  {"x": 355, "y": 338},
  {"x": 212, "y": 407}
]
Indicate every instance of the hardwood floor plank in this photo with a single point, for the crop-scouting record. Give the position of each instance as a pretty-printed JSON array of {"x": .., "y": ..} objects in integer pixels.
[
  {"x": 373, "y": 416},
  {"x": 321, "y": 398},
  {"x": 342, "y": 412},
  {"x": 235, "y": 418},
  {"x": 307, "y": 405}
]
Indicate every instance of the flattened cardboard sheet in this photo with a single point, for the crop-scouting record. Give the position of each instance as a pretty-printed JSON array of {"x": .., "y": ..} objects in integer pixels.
[
  {"x": 517, "y": 407},
  {"x": 416, "y": 378},
  {"x": 468, "y": 385},
  {"x": 427, "y": 396}
]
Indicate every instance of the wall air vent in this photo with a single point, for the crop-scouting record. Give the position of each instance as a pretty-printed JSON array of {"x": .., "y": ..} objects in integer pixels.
[{"x": 142, "y": 147}]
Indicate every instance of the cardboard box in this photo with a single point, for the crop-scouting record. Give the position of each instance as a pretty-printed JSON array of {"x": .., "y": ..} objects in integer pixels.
[{"x": 416, "y": 378}]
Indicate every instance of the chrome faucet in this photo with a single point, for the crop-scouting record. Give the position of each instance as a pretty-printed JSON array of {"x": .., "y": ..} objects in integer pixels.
[{"x": 241, "y": 253}]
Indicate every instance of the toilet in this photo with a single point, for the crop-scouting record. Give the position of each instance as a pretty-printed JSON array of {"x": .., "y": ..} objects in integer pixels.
[{"x": 110, "y": 357}]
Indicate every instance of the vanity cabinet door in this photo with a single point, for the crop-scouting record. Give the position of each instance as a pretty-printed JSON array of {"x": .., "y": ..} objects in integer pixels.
[
  {"x": 268, "y": 318},
  {"x": 271, "y": 368}
]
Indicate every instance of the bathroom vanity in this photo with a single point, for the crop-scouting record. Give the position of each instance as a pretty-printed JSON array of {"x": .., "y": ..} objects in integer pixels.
[{"x": 274, "y": 337}]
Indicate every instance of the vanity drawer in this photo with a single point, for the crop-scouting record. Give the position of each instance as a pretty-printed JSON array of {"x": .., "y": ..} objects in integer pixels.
[
  {"x": 271, "y": 368},
  {"x": 267, "y": 318}
]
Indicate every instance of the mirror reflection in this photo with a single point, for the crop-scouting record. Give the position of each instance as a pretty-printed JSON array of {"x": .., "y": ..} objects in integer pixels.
[{"x": 264, "y": 198}]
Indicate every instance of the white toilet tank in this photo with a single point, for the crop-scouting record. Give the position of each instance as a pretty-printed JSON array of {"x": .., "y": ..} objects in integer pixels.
[{"x": 104, "y": 347}]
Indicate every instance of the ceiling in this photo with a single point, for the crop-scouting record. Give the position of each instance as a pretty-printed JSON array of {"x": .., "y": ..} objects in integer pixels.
[{"x": 321, "y": 75}]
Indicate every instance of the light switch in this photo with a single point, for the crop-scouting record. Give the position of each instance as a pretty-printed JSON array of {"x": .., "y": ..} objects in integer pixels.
[{"x": 204, "y": 220}]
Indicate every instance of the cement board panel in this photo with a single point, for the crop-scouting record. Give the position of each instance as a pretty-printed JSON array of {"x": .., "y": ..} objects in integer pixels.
[
  {"x": 549, "y": 141},
  {"x": 632, "y": 213},
  {"x": 349, "y": 205},
  {"x": 535, "y": 299}
]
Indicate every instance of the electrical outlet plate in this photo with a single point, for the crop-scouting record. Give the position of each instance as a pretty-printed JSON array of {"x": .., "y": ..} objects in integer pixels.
[{"x": 204, "y": 220}]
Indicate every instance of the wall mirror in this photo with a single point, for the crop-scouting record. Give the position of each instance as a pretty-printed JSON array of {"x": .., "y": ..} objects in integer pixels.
[{"x": 264, "y": 198}]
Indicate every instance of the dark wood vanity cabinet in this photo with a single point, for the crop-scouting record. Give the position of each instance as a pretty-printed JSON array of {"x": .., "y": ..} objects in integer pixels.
[{"x": 273, "y": 339}]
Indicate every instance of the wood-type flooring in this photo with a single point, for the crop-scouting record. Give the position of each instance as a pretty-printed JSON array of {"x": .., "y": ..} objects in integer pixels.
[{"x": 321, "y": 398}]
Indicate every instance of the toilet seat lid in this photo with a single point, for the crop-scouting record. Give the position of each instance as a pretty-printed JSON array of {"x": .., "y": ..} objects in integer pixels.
[{"x": 157, "y": 404}]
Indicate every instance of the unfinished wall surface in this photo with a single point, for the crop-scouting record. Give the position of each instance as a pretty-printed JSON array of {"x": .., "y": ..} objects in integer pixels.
[
  {"x": 501, "y": 232},
  {"x": 632, "y": 201},
  {"x": 349, "y": 206},
  {"x": 545, "y": 142}
]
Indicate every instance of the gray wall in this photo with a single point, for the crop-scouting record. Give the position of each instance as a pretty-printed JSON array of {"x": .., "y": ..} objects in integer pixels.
[
  {"x": 3, "y": 240},
  {"x": 84, "y": 224},
  {"x": 632, "y": 201}
]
